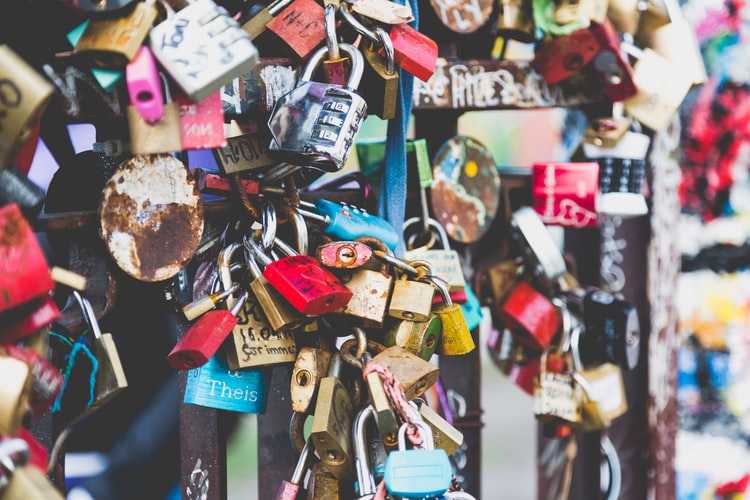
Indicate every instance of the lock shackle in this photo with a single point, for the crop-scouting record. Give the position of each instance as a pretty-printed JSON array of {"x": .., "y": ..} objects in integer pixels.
[
  {"x": 257, "y": 251},
  {"x": 424, "y": 430},
  {"x": 357, "y": 25},
  {"x": 297, "y": 431},
  {"x": 399, "y": 264},
  {"x": 348, "y": 348},
  {"x": 441, "y": 286},
  {"x": 424, "y": 268},
  {"x": 216, "y": 287},
  {"x": 285, "y": 248},
  {"x": 224, "y": 266},
  {"x": 332, "y": 42},
  {"x": 88, "y": 313},
  {"x": 575, "y": 339},
  {"x": 390, "y": 52},
  {"x": 301, "y": 233},
  {"x": 356, "y": 70},
  {"x": 269, "y": 223},
  {"x": 365, "y": 479},
  {"x": 303, "y": 462},
  {"x": 436, "y": 232},
  {"x": 252, "y": 264}
]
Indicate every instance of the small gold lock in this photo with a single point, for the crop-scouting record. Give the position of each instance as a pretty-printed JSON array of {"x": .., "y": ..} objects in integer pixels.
[
  {"x": 444, "y": 434},
  {"x": 411, "y": 299},
  {"x": 309, "y": 369},
  {"x": 415, "y": 375}
]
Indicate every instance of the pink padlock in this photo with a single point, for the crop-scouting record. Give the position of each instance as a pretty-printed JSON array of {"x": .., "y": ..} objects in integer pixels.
[
  {"x": 144, "y": 86},
  {"x": 565, "y": 193}
]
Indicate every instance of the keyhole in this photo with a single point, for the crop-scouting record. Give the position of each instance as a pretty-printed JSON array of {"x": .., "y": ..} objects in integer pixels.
[
  {"x": 144, "y": 95},
  {"x": 430, "y": 341},
  {"x": 303, "y": 378},
  {"x": 346, "y": 255}
]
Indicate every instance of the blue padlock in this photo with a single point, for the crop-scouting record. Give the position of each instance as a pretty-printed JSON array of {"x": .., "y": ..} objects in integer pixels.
[
  {"x": 348, "y": 222},
  {"x": 417, "y": 473},
  {"x": 472, "y": 309}
]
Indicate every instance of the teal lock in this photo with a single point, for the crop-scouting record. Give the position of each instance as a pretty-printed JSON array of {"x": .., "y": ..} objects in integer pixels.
[
  {"x": 472, "y": 308},
  {"x": 214, "y": 385},
  {"x": 417, "y": 473},
  {"x": 348, "y": 222}
]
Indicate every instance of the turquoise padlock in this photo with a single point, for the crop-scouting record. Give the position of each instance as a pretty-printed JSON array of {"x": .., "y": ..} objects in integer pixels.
[
  {"x": 472, "y": 308},
  {"x": 417, "y": 473},
  {"x": 348, "y": 222}
]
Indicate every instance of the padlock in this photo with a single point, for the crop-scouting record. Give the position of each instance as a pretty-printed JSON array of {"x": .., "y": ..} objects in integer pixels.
[
  {"x": 455, "y": 338},
  {"x": 215, "y": 385},
  {"x": 344, "y": 221},
  {"x": 310, "y": 366},
  {"x": 144, "y": 86},
  {"x": 417, "y": 472},
  {"x": 331, "y": 425},
  {"x": 24, "y": 272},
  {"x": 411, "y": 297},
  {"x": 371, "y": 290},
  {"x": 444, "y": 435},
  {"x": 565, "y": 194},
  {"x": 46, "y": 378},
  {"x": 418, "y": 337},
  {"x": 661, "y": 88},
  {"x": 611, "y": 330},
  {"x": 202, "y": 48},
  {"x": 207, "y": 303},
  {"x": 611, "y": 65},
  {"x": 202, "y": 122},
  {"x": 332, "y": 116},
  {"x": 413, "y": 51},
  {"x": 555, "y": 398},
  {"x": 300, "y": 26},
  {"x": 383, "y": 11},
  {"x": 290, "y": 490},
  {"x": 161, "y": 136},
  {"x": 110, "y": 374},
  {"x": 445, "y": 261},
  {"x": 558, "y": 58},
  {"x": 22, "y": 480},
  {"x": 542, "y": 256},
  {"x": 380, "y": 81},
  {"x": 414, "y": 374},
  {"x": 496, "y": 281},
  {"x": 16, "y": 393},
  {"x": 386, "y": 420},
  {"x": 344, "y": 254},
  {"x": 112, "y": 42},
  {"x": 531, "y": 316},
  {"x": 204, "y": 337},
  {"x": 307, "y": 285},
  {"x": 280, "y": 314}
]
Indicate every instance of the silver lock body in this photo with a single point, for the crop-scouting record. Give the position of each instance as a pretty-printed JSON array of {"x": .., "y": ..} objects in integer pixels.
[
  {"x": 316, "y": 123},
  {"x": 202, "y": 48}
]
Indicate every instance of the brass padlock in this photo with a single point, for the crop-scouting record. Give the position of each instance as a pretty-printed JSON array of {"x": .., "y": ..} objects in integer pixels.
[
  {"x": 455, "y": 338},
  {"x": 331, "y": 426},
  {"x": 323, "y": 485},
  {"x": 554, "y": 393},
  {"x": 418, "y": 337},
  {"x": 15, "y": 392},
  {"x": 309, "y": 369},
  {"x": 26, "y": 95},
  {"x": 371, "y": 290},
  {"x": 162, "y": 136},
  {"x": 112, "y": 42},
  {"x": 380, "y": 81},
  {"x": 444, "y": 260},
  {"x": 385, "y": 416},
  {"x": 444, "y": 434},
  {"x": 411, "y": 298},
  {"x": 414, "y": 374},
  {"x": 23, "y": 480}
]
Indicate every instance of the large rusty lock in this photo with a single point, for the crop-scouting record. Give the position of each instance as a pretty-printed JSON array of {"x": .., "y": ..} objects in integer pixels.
[{"x": 316, "y": 123}]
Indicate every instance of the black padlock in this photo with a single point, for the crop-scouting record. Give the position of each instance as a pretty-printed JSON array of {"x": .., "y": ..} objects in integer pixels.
[
  {"x": 15, "y": 187},
  {"x": 612, "y": 331}
]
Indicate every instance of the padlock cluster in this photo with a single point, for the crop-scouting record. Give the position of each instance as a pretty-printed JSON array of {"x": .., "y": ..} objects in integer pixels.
[
  {"x": 564, "y": 344},
  {"x": 360, "y": 327},
  {"x": 33, "y": 378}
]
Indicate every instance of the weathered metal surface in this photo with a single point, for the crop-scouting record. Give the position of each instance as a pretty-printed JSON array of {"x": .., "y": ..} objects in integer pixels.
[{"x": 151, "y": 216}]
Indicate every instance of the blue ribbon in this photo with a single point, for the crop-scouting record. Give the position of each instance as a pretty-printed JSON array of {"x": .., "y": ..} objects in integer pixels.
[{"x": 392, "y": 204}]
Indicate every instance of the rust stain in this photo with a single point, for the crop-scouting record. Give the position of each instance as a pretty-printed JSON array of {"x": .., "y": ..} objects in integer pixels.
[{"x": 151, "y": 216}]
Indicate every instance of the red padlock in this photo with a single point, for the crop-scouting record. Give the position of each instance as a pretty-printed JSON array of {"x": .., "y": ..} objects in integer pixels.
[
  {"x": 38, "y": 454},
  {"x": 24, "y": 272},
  {"x": 561, "y": 57},
  {"x": 530, "y": 316},
  {"x": 611, "y": 65},
  {"x": 28, "y": 318},
  {"x": 204, "y": 337},
  {"x": 303, "y": 281},
  {"x": 565, "y": 193},
  {"x": 301, "y": 26},
  {"x": 522, "y": 374},
  {"x": 414, "y": 52},
  {"x": 46, "y": 381}
]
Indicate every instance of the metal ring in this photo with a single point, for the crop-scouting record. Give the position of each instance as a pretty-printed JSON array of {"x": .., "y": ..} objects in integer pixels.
[
  {"x": 390, "y": 52},
  {"x": 269, "y": 222}
]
